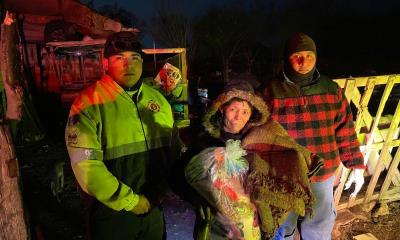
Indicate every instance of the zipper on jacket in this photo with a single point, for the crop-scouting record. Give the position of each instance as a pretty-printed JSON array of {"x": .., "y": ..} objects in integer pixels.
[
  {"x": 300, "y": 94},
  {"x": 303, "y": 98},
  {"x": 136, "y": 95}
]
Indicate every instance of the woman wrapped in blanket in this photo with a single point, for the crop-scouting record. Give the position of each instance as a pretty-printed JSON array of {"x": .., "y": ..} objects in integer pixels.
[{"x": 246, "y": 170}]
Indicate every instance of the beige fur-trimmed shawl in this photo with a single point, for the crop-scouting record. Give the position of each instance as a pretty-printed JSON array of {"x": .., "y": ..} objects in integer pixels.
[{"x": 278, "y": 179}]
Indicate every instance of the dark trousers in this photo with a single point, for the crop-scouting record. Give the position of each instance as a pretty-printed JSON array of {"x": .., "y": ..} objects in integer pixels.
[{"x": 107, "y": 224}]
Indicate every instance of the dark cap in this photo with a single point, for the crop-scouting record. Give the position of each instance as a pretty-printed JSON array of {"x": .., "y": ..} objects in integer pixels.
[
  {"x": 121, "y": 42},
  {"x": 299, "y": 42}
]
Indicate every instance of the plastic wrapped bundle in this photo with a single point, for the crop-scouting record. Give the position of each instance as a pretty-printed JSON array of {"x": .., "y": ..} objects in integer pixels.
[{"x": 217, "y": 174}]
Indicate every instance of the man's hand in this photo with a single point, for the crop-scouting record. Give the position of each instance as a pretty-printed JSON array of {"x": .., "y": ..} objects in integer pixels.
[
  {"x": 142, "y": 207},
  {"x": 356, "y": 176}
]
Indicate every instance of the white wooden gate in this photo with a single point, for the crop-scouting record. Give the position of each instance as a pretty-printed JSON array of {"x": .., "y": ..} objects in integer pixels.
[{"x": 360, "y": 91}]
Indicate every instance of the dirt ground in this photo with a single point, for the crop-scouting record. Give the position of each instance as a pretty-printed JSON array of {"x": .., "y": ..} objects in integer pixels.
[
  {"x": 356, "y": 221},
  {"x": 55, "y": 211}
]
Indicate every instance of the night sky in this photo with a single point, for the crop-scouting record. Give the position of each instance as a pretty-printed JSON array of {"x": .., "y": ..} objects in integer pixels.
[
  {"x": 351, "y": 35},
  {"x": 361, "y": 9},
  {"x": 147, "y": 8}
]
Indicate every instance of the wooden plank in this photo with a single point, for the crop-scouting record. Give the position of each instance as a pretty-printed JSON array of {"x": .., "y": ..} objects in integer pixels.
[
  {"x": 355, "y": 96},
  {"x": 379, "y": 145},
  {"x": 343, "y": 179},
  {"x": 163, "y": 50},
  {"x": 374, "y": 127},
  {"x": 359, "y": 201},
  {"x": 362, "y": 81},
  {"x": 366, "y": 236},
  {"x": 376, "y": 146},
  {"x": 385, "y": 151},
  {"x": 391, "y": 173},
  {"x": 382, "y": 103},
  {"x": 390, "y": 195},
  {"x": 184, "y": 66},
  {"x": 367, "y": 118},
  {"x": 68, "y": 44},
  {"x": 396, "y": 174},
  {"x": 363, "y": 113},
  {"x": 350, "y": 89},
  {"x": 395, "y": 143},
  {"x": 361, "y": 103}
]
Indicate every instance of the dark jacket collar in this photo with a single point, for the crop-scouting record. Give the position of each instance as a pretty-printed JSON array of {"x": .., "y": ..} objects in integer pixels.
[{"x": 313, "y": 81}]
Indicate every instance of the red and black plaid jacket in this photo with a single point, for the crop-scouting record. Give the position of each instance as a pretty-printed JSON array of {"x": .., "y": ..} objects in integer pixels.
[{"x": 318, "y": 117}]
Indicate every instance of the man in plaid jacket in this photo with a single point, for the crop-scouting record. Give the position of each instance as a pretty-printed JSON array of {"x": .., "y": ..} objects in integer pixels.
[{"x": 315, "y": 112}]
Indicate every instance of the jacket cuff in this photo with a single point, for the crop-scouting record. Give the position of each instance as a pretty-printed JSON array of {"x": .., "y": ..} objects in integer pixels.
[
  {"x": 133, "y": 202},
  {"x": 358, "y": 167}
]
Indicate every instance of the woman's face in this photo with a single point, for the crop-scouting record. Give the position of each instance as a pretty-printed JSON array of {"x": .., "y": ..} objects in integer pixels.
[{"x": 236, "y": 115}]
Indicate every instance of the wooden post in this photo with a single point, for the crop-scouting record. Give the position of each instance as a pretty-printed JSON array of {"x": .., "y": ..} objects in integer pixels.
[{"x": 12, "y": 223}]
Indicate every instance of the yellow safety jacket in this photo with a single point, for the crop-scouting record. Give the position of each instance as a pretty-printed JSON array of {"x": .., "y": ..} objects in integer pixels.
[{"x": 118, "y": 145}]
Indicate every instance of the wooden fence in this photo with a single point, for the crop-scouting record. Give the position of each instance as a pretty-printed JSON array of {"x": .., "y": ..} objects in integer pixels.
[{"x": 363, "y": 93}]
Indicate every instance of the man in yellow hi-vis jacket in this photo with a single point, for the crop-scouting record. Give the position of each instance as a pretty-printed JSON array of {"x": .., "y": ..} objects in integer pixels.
[{"x": 118, "y": 137}]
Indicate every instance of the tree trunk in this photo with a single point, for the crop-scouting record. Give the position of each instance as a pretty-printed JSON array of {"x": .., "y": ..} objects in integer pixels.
[{"x": 12, "y": 223}]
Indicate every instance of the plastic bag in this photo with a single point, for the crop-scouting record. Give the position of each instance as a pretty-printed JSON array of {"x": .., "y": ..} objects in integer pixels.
[{"x": 217, "y": 174}]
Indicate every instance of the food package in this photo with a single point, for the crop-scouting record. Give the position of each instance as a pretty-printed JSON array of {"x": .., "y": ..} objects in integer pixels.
[{"x": 217, "y": 175}]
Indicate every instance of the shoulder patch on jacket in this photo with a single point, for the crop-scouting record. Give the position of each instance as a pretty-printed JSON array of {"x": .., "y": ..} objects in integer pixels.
[{"x": 153, "y": 106}]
